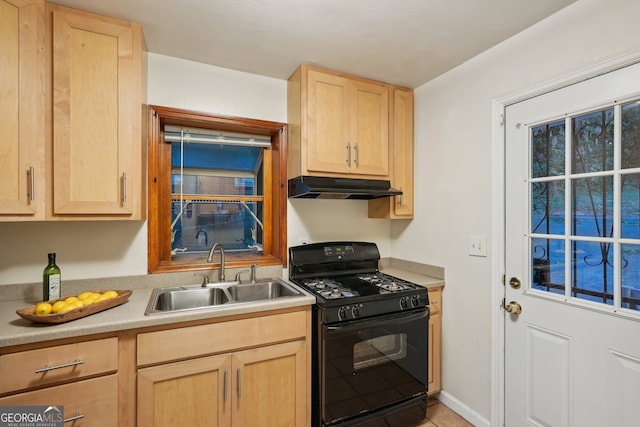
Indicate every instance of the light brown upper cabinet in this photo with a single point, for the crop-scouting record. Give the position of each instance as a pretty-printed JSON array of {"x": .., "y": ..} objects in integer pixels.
[
  {"x": 71, "y": 115},
  {"x": 94, "y": 166},
  {"x": 401, "y": 124},
  {"x": 339, "y": 125},
  {"x": 22, "y": 150}
]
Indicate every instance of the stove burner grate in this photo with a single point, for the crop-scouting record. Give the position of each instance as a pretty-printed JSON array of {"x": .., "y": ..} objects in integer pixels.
[
  {"x": 386, "y": 283},
  {"x": 329, "y": 289}
]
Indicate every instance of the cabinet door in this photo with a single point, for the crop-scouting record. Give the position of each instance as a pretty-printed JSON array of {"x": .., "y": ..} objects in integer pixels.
[
  {"x": 328, "y": 126},
  {"x": 96, "y": 111},
  {"x": 402, "y": 123},
  {"x": 401, "y": 154},
  {"x": 435, "y": 326},
  {"x": 369, "y": 128},
  {"x": 435, "y": 341},
  {"x": 22, "y": 106},
  {"x": 190, "y": 393},
  {"x": 271, "y": 385},
  {"x": 89, "y": 403}
]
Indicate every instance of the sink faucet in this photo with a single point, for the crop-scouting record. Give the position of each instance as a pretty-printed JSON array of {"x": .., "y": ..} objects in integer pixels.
[{"x": 210, "y": 258}]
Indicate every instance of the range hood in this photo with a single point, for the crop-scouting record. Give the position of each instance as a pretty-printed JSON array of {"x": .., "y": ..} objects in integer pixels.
[{"x": 317, "y": 187}]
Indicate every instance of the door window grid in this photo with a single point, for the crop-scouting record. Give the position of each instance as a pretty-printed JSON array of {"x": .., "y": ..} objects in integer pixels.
[{"x": 584, "y": 225}]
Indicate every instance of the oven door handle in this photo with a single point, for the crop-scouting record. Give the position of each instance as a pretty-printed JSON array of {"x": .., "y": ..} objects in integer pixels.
[{"x": 397, "y": 319}]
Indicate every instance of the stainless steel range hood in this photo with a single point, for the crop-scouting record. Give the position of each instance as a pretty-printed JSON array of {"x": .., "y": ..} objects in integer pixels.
[{"x": 316, "y": 187}]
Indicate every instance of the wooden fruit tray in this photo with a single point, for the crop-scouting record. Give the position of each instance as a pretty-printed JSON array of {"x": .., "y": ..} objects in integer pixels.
[{"x": 29, "y": 313}]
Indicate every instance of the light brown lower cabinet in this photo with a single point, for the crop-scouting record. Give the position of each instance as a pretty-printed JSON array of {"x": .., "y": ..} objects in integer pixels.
[
  {"x": 266, "y": 385},
  {"x": 87, "y": 403},
  {"x": 435, "y": 340},
  {"x": 80, "y": 376},
  {"x": 227, "y": 390}
]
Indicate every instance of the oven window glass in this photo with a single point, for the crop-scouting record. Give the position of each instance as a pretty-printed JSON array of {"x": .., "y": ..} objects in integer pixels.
[{"x": 379, "y": 350}]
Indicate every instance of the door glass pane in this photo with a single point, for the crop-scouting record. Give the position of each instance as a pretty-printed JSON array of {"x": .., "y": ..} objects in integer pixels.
[
  {"x": 592, "y": 207},
  {"x": 601, "y": 200},
  {"x": 548, "y": 150},
  {"x": 547, "y": 211},
  {"x": 630, "y": 276},
  {"x": 630, "y": 216},
  {"x": 548, "y": 265},
  {"x": 630, "y": 135},
  {"x": 593, "y": 142},
  {"x": 592, "y": 271}
]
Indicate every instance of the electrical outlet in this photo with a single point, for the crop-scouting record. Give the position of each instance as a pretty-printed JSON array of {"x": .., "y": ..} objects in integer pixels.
[{"x": 478, "y": 246}]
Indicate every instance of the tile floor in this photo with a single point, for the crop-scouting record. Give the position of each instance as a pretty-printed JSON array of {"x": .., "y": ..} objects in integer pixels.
[{"x": 438, "y": 415}]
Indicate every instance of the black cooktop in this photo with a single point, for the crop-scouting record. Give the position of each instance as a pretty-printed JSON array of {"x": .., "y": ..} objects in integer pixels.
[
  {"x": 345, "y": 279},
  {"x": 364, "y": 284}
]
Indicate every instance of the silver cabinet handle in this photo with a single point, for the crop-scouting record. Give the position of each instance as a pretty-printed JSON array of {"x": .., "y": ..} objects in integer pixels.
[
  {"x": 64, "y": 365},
  {"x": 124, "y": 187},
  {"x": 355, "y": 149},
  {"x": 77, "y": 416},
  {"x": 348, "y": 153},
  {"x": 32, "y": 182},
  {"x": 239, "y": 388},
  {"x": 224, "y": 389},
  {"x": 400, "y": 197}
]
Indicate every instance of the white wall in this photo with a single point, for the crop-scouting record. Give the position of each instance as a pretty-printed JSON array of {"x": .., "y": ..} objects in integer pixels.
[
  {"x": 453, "y": 147},
  {"x": 112, "y": 249}
]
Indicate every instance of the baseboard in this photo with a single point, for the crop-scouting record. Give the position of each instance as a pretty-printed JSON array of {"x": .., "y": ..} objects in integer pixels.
[{"x": 463, "y": 410}]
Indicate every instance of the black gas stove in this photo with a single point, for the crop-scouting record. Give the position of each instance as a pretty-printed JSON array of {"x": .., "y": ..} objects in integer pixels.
[
  {"x": 345, "y": 279},
  {"x": 370, "y": 337}
]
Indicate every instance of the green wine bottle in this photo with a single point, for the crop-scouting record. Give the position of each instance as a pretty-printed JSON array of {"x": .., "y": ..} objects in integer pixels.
[{"x": 51, "y": 281}]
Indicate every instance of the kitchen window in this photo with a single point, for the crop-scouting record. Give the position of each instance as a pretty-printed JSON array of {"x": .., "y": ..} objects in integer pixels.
[{"x": 213, "y": 180}]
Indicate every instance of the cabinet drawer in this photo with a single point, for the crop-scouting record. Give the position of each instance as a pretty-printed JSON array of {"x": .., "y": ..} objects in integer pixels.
[
  {"x": 34, "y": 368},
  {"x": 435, "y": 300},
  {"x": 192, "y": 341},
  {"x": 93, "y": 401}
]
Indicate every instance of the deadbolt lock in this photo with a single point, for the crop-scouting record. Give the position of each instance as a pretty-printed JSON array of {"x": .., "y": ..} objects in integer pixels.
[{"x": 514, "y": 282}]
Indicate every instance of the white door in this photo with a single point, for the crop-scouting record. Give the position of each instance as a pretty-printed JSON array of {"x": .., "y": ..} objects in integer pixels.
[{"x": 572, "y": 355}]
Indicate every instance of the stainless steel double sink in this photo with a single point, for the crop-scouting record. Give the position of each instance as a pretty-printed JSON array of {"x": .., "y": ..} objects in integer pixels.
[{"x": 193, "y": 297}]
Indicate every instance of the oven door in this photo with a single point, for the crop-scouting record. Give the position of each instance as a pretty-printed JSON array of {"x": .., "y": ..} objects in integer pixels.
[{"x": 373, "y": 365}]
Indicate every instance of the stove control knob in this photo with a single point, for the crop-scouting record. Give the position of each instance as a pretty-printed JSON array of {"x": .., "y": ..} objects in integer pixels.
[
  {"x": 415, "y": 301},
  {"x": 404, "y": 303},
  {"x": 342, "y": 313},
  {"x": 355, "y": 311}
]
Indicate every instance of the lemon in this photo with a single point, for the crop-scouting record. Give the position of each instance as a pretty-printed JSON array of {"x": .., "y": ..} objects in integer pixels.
[
  {"x": 110, "y": 294},
  {"x": 58, "y": 305},
  {"x": 77, "y": 304},
  {"x": 84, "y": 295},
  {"x": 88, "y": 300},
  {"x": 71, "y": 299},
  {"x": 100, "y": 298},
  {"x": 43, "y": 309},
  {"x": 67, "y": 307}
]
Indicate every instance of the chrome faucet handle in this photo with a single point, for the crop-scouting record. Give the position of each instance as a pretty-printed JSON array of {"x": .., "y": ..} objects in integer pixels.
[
  {"x": 205, "y": 278},
  {"x": 238, "y": 278}
]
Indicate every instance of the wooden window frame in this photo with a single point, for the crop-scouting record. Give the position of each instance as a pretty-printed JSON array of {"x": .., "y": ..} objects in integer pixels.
[{"x": 159, "y": 179}]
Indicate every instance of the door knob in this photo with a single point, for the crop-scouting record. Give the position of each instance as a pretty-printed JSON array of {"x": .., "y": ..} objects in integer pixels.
[{"x": 513, "y": 307}]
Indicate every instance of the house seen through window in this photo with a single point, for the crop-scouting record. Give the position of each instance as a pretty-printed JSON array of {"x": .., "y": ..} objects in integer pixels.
[
  {"x": 215, "y": 180},
  {"x": 217, "y": 190}
]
